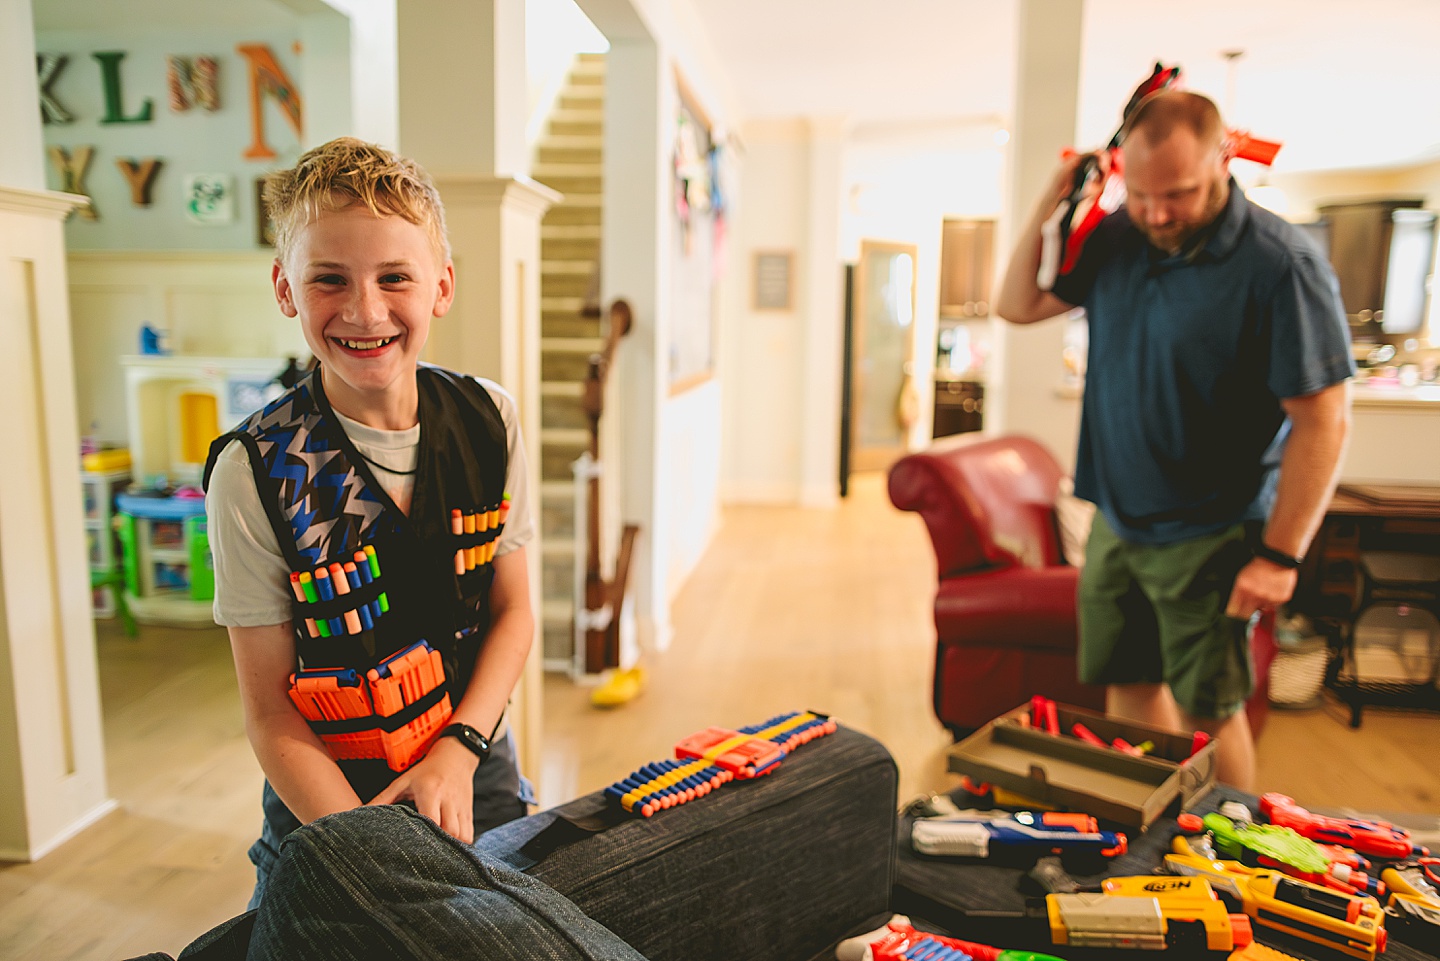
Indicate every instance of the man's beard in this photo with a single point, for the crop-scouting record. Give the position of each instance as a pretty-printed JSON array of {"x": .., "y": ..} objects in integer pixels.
[{"x": 1173, "y": 237}]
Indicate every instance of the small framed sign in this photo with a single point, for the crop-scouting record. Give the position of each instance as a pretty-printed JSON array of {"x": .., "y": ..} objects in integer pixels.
[{"x": 774, "y": 280}]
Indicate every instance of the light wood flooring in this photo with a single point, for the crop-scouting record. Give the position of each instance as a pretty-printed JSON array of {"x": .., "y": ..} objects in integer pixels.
[{"x": 788, "y": 609}]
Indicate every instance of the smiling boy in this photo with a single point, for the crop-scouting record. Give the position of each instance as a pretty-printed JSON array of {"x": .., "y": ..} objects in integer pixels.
[{"x": 378, "y": 503}]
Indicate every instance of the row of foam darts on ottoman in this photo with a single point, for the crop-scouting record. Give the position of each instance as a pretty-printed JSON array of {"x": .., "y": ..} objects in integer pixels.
[{"x": 715, "y": 756}]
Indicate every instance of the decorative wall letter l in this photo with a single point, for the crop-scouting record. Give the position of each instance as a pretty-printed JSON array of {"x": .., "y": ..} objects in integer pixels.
[
  {"x": 192, "y": 82},
  {"x": 110, "y": 76},
  {"x": 140, "y": 176},
  {"x": 267, "y": 77},
  {"x": 49, "y": 66},
  {"x": 72, "y": 175}
]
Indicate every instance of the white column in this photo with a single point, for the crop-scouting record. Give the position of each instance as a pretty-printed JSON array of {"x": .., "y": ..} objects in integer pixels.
[
  {"x": 1026, "y": 370},
  {"x": 52, "y": 761},
  {"x": 824, "y": 319},
  {"x": 636, "y": 232},
  {"x": 462, "y": 116}
]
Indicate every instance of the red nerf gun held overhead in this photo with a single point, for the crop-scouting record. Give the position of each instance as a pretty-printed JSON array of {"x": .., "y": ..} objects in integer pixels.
[
  {"x": 1374, "y": 838},
  {"x": 1098, "y": 187}
]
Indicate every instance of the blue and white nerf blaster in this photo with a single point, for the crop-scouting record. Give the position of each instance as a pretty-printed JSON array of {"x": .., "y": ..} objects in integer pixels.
[{"x": 983, "y": 834}]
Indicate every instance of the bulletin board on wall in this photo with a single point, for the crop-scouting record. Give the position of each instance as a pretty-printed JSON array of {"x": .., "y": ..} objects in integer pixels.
[{"x": 697, "y": 243}]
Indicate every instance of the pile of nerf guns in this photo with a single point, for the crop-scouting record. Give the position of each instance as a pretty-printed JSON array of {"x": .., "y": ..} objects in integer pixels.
[
  {"x": 481, "y": 533},
  {"x": 715, "y": 756},
  {"x": 329, "y": 582},
  {"x": 1291, "y": 876},
  {"x": 947, "y": 831}
]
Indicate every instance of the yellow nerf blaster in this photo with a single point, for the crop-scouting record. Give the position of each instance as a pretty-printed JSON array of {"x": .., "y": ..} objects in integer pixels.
[
  {"x": 1147, "y": 912},
  {"x": 1351, "y": 924}
]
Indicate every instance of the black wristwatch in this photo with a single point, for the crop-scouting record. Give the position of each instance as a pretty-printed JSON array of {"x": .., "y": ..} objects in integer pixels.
[
  {"x": 1278, "y": 557},
  {"x": 471, "y": 738}
]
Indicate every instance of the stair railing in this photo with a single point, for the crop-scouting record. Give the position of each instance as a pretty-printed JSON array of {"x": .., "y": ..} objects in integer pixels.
[{"x": 598, "y": 602}]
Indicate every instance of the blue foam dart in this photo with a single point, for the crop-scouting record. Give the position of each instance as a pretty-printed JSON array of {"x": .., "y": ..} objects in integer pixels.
[
  {"x": 383, "y": 668},
  {"x": 345, "y": 677}
]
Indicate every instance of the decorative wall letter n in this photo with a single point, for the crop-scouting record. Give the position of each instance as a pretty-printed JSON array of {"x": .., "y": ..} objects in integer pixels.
[{"x": 267, "y": 77}]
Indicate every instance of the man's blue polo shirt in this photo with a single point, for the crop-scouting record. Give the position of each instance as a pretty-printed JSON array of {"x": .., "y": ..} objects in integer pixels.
[{"x": 1190, "y": 356}]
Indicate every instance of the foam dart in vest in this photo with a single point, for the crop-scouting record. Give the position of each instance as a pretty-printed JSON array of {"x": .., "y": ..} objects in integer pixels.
[
  {"x": 375, "y": 573},
  {"x": 300, "y": 596},
  {"x": 342, "y": 587},
  {"x": 327, "y": 593},
  {"x": 352, "y": 575},
  {"x": 307, "y": 584},
  {"x": 362, "y": 565},
  {"x": 457, "y": 527}
]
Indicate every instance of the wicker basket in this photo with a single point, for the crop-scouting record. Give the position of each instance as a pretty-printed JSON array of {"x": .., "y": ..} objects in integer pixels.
[{"x": 1298, "y": 673}]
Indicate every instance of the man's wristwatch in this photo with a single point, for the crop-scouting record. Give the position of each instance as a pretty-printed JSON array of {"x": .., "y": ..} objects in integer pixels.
[
  {"x": 471, "y": 738},
  {"x": 1280, "y": 558}
]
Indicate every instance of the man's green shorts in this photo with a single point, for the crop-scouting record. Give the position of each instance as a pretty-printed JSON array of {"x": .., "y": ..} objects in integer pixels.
[{"x": 1152, "y": 614}]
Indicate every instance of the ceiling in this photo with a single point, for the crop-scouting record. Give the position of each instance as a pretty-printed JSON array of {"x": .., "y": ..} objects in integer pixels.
[{"x": 1343, "y": 85}]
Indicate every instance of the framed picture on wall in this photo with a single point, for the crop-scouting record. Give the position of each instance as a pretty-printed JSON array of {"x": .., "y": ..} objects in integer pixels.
[
  {"x": 773, "y": 280},
  {"x": 210, "y": 199},
  {"x": 264, "y": 226},
  {"x": 697, "y": 243}
]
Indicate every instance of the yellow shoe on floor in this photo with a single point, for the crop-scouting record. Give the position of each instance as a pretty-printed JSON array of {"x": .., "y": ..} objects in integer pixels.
[{"x": 620, "y": 689}]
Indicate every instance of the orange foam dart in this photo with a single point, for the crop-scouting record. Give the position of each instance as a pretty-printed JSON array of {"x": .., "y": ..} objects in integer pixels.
[
  {"x": 457, "y": 527},
  {"x": 342, "y": 587},
  {"x": 300, "y": 596},
  {"x": 504, "y": 511}
]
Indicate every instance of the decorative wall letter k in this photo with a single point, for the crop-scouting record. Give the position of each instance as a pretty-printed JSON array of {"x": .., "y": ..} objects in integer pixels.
[{"x": 49, "y": 66}]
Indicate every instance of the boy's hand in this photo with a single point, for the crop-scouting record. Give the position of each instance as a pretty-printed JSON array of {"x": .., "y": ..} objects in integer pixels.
[{"x": 442, "y": 785}]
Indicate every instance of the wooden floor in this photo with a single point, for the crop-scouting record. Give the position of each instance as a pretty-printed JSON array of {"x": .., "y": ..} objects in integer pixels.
[{"x": 789, "y": 609}]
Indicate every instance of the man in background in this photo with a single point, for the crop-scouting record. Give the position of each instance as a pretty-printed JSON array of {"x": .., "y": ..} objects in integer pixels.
[{"x": 1215, "y": 415}]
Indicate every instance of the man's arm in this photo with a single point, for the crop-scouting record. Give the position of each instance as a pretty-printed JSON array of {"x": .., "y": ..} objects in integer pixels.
[
  {"x": 1021, "y": 300},
  {"x": 442, "y": 783},
  {"x": 1319, "y": 427},
  {"x": 292, "y": 756}
]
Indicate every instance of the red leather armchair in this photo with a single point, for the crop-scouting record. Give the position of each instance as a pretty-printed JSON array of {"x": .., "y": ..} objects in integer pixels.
[{"x": 1005, "y": 608}]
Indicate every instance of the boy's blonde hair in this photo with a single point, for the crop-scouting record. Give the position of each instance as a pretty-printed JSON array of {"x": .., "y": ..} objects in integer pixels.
[{"x": 349, "y": 171}]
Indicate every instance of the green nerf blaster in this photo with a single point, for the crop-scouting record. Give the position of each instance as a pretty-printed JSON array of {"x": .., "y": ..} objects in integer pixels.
[{"x": 1247, "y": 843}]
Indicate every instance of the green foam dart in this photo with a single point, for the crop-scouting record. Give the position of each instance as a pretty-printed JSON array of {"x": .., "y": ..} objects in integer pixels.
[
  {"x": 307, "y": 585},
  {"x": 375, "y": 573}
]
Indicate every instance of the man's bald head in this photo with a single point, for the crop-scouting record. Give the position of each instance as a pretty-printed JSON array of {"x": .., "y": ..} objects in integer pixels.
[
  {"x": 1176, "y": 167},
  {"x": 1159, "y": 114}
]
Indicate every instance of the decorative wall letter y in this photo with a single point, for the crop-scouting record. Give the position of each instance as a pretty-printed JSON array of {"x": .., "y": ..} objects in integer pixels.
[
  {"x": 72, "y": 175},
  {"x": 140, "y": 176},
  {"x": 110, "y": 76},
  {"x": 267, "y": 77},
  {"x": 49, "y": 66}
]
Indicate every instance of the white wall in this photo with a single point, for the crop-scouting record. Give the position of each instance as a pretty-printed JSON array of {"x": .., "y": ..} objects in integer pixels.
[
  {"x": 214, "y": 304},
  {"x": 761, "y": 350},
  {"x": 897, "y": 184},
  {"x": 555, "y": 32},
  {"x": 188, "y": 143}
]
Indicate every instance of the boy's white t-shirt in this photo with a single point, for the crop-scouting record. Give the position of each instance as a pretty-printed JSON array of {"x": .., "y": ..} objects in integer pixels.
[{"x": 252, "y": 578}]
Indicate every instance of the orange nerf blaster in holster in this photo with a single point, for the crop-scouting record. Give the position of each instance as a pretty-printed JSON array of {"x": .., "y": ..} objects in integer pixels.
[
  {"x": 392, "y": 712},
  {"x": 1098, "y": 187}
]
